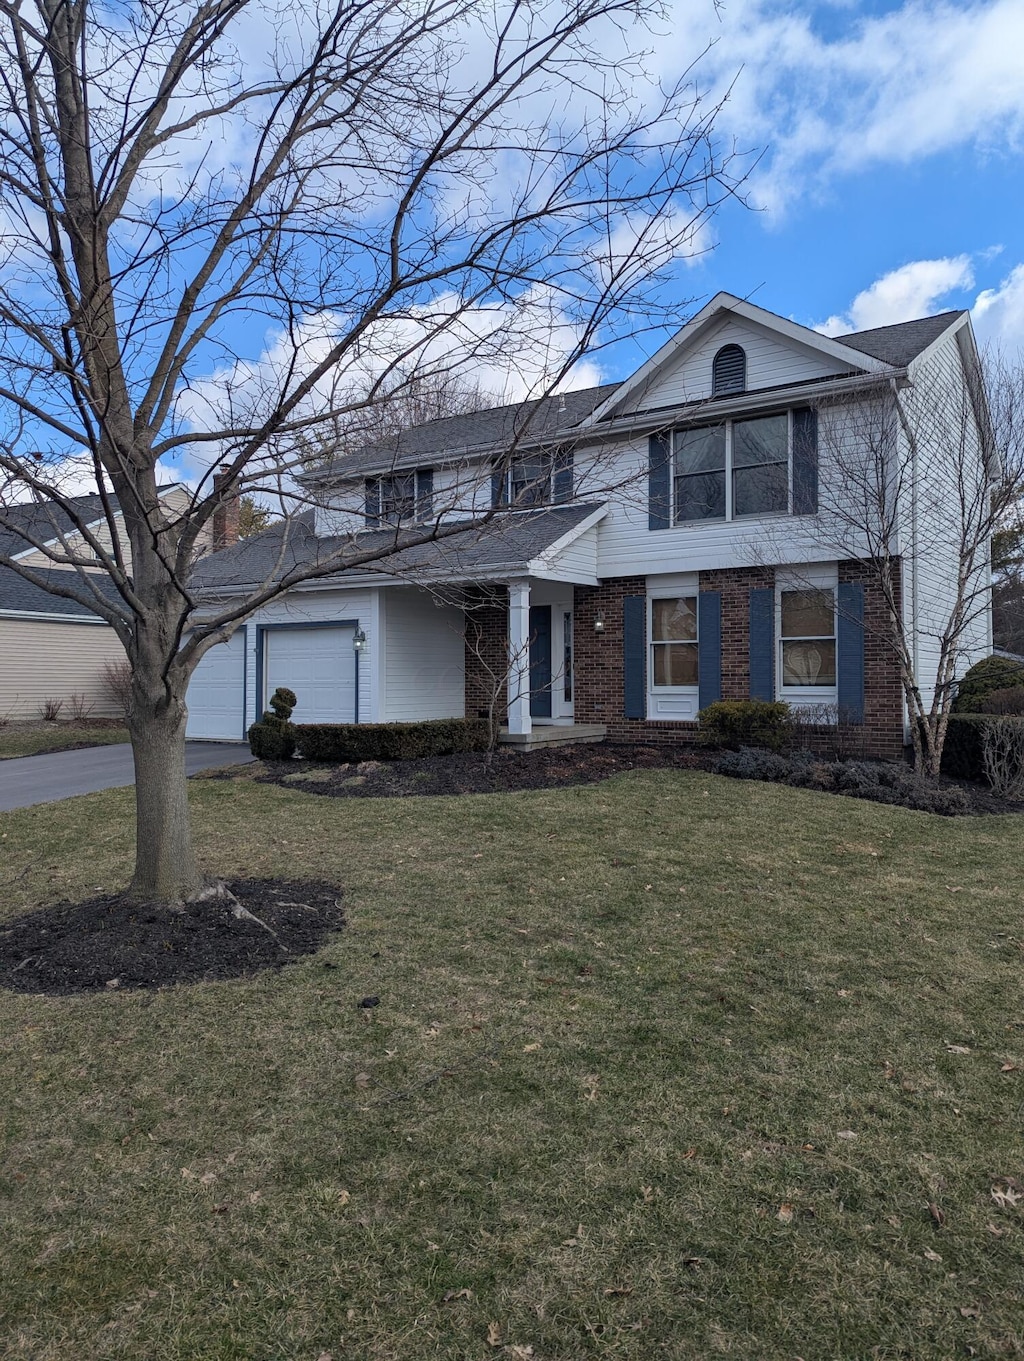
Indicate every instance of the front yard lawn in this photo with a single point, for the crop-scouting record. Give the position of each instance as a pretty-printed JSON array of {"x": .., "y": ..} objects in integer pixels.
[
  {"x": 665, "y": 1066},
  {"x": 32, "y": 738}
]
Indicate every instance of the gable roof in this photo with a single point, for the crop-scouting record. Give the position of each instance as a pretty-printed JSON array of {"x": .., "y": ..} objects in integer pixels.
[
  {"x": 902, "y": 342},
  {"x": 508, "y": 543},
  {"x": 45, "y": 520},
  {"x": 18, "y": 596}
]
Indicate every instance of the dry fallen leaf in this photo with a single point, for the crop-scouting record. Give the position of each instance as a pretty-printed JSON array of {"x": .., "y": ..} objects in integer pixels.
[
  {"x": 1009, "y": 1068},
  {"x": 970, "y": 1311},
  {"x": 957, "y": 1049},
  {"x": 208, "y": 1178},
  {"x": 785, "y": 1215},
  {"x": 932, "y": 1256},
  {"x": 955, "y": 888},
  {"x": 220, "y": 1209},
  {"x": 996, "y": 1232},
  {"x": 937, "y": 1214},
  {"x": 520, "y": 1353},
  {"x": 531, "y": 1048},
  {"x": 847, "y": 1134},
  {"x": 462, "y": 1294},
  {"x": 325, "y": 1356},
  {"x": 892, "y": 1219},
  {"x": 648, "y": 1194},
  {"x": 590, "y": 1084},
  {"x": 1006, "y": 1197},
  {"x": 493, "y": 1335},
  {"x": 344, "y": 1197},
  {"x": 362, "y": 1080}
]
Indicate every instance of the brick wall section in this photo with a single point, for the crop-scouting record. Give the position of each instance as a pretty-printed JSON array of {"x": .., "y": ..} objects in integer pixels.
[
  {"x": 599, "y": 680},
  {"x": 486, "y": 653},
  {"x": 883, "y": 693}
]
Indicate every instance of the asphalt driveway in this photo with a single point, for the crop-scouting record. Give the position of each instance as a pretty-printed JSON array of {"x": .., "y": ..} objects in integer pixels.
[{"x": 28, "y": 780}]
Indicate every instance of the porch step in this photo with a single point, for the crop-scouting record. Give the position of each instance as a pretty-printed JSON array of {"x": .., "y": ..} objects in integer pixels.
[{"x": 553, "y": 735}]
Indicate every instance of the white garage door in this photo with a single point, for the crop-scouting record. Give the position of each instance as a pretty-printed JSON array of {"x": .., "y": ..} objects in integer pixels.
[
  {"x": 319, "y": 665},
  {"x": 216, "y": 693}
]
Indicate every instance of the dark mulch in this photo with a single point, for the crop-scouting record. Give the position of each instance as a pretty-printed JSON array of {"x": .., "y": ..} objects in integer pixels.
[
  {"x": 472, "y": 773},
  {"x": 108, "y": 943}
]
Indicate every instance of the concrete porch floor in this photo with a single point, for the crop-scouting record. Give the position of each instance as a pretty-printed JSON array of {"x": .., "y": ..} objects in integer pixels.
[{"x": 553, "y": 735}]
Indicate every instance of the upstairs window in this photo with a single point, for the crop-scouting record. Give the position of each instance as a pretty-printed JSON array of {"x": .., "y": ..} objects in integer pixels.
[
  {"x": 535, "y": 479},
  {"x": 736, "y": 469},
  {"x": 399, "y": 498},
  {"x": 729, "y": 371}
]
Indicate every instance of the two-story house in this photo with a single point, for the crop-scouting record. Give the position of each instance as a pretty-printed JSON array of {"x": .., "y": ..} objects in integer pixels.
[{"x": 617, "y": 558}]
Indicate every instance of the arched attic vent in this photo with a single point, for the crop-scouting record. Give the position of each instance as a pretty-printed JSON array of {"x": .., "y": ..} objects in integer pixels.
[{"x": 729, "y": 371}]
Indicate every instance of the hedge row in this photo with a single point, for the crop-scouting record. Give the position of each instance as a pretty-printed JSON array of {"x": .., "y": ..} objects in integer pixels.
[{"x": 344, "y": 742}]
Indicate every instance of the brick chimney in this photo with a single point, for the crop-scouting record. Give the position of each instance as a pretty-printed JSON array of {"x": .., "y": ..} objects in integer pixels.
[{"x": 225, "y": 517}]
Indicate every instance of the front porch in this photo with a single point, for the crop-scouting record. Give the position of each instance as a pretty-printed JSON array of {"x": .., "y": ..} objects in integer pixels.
[{"x": 553, "y": 735}]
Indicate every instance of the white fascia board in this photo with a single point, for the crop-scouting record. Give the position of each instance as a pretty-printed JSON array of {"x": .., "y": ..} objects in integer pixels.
[
  {"x": 721, "y": 305},
  {"x": 54, "y": 618}
]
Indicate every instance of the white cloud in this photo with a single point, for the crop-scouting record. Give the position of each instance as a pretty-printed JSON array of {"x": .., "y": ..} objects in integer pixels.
[
  {"x": 998, "y": 313},
  {"x": 903, "y": 294}
]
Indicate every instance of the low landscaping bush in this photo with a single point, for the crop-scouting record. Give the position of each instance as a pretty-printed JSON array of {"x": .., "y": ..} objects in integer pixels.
[
  {"x": 991, "y": 673},
  {"x": 344, "y": 742},
  {"x": 273, "y": 738},
  {"x": 1002, "y": 752},
  {"x": 737, "y": 723},
  {"x": 1008, "y": 702},
  {"x": 962, "y": 751},
  {"x": 750, "y": 763}
]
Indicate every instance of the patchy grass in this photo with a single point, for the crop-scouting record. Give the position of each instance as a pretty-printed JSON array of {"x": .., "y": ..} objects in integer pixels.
[
  {"x": 33, "y": 739},
  {"x": 666, "y": 1066}
]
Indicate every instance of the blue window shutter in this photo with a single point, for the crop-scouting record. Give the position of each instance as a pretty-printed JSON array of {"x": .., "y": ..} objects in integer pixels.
[
  {"x": 562, "y": 476},
  {"x": 762, "y": 644},
  {"x": 709, "y": 647},
  {"x": 424, "y": 494},
  {"x": 634, "y": 656},
  {"x": 499, "y": 484},
  {"x": 850, "y": 652},
  {"x": 659, "y": 482},
  {"x": 805, "y": 461},
  {"x": 371, "y": 503}
]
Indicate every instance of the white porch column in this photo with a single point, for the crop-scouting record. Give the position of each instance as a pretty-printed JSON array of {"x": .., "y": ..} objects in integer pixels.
[{"x": 519, "y": 657}]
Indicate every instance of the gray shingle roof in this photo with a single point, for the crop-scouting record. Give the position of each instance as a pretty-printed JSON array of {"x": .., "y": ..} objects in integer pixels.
[
  {"x": 44, "y": 520},
  {"x": 26, "y": 597},
  {"x": 901, "y": 343},
  {"x": 506, "y": 543},
  {"x": 479, "y": 431}
]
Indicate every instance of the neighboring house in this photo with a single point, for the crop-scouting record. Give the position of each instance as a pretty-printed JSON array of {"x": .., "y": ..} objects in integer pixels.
[
  {"x": 52, "y": 647},
  {"x": 654, "y": 545}
]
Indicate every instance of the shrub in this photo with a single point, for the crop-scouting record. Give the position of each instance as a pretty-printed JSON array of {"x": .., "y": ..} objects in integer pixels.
[
  {"x": 1009, "y": 701},
  {"x": 991, "y": 673},
  {"x": 1002, "y": 754},
  {"x": 736, "y": 723},
  {"x": 117, "y": 681},
  {"x": 749, "y": 763},
  {"x": 50, "y": 709},
  {"x": 80, "y": 707},
  {"x": 961, "y": 752},
  {"x": 273, "y": 738},
  {"x": 343, "y": 742}
]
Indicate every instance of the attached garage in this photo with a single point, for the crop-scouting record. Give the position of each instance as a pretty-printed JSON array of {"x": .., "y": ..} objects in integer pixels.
[
  {"x": 319, "y": 664},
  {"x": 216, "y": 693}
]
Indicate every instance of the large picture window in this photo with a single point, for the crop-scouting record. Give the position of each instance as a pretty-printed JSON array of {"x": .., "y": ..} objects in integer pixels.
[
  {"x": 736, "y": 469},
  {"x": 674, "y": 641},
  {"x": 808, "y": 638}
]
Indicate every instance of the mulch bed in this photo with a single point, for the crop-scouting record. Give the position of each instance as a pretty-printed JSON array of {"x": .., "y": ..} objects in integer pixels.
[
  {"x": 108, "y": 944},
  {"x": 471, "y": 773}
]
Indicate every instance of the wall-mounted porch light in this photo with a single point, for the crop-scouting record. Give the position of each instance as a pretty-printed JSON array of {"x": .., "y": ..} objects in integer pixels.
[
  {"x": 358, "y": 639},
  {"x": 599, "y": 622}
]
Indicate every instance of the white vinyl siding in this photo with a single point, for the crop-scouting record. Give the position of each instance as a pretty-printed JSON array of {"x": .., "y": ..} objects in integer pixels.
[
  {"x": 216, "y": 693},
  {"x": 424, "y": 657}
]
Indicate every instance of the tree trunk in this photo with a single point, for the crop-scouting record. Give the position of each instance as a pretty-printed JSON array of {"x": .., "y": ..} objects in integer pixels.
[{"x": 165, "y": 863}]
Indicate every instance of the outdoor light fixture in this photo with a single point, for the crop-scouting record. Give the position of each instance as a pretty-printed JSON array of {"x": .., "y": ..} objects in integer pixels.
[
  {"x": 358, "y": 639},
  {"x": 599, "y": 622}
]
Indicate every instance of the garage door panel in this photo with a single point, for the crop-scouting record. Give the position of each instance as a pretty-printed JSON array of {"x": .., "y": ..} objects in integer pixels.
[
  {"x": 216, "y": 693},
  {"x": 319, "y": 665}
]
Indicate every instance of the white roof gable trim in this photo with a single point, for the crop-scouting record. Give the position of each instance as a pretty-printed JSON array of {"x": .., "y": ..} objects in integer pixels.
[{"x": 721, "y": 306}]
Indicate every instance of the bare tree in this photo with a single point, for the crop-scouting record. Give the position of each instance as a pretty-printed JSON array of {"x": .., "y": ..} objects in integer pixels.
[
  {"x": 365, "y": 180},
  {"x": 915, "y": 480}
]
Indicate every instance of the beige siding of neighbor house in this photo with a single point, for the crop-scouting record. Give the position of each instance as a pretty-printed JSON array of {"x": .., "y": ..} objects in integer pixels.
[{"x": 42, "y": 659}]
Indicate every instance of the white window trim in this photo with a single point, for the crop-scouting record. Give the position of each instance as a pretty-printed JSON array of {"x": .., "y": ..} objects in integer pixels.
[
  {"x": 729, "y": 517},
  {"x": 669, "y": 590},
  {"x": 811, "y": 578}
]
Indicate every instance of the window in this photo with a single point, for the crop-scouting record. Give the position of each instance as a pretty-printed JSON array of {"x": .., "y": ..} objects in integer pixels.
[
  {"x": 808, "y": 638},
  {"x": 729, "y": 371},
  {"x": 674, "y": 641},
  {"x": 399, "y": 498},
  {"x": 535, "y": 479},
  {"x": 735, "y": 469}
]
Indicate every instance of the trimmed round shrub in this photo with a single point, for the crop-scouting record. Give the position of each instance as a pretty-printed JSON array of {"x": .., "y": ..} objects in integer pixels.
[
  {"x": 991, "y": 673},
  {"x": 273, "y": 738}
]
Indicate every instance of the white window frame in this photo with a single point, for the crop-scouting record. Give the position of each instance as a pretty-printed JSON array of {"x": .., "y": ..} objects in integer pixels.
[
  {"x": 729, "y": 516},
  {"x": 811, "y": 578},
  {"x": 670, "y": 588}
]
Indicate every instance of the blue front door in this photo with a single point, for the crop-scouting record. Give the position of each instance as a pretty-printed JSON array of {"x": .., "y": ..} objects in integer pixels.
[{"x": 540, "y": 661}]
